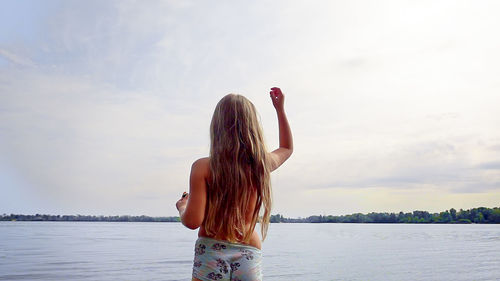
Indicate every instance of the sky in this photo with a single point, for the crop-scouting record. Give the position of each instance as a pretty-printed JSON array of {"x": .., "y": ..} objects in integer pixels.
[{"x": 104, "y": 105}]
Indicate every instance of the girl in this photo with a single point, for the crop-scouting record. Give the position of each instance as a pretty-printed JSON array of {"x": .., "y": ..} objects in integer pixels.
[{"x": 228, "y": 190}]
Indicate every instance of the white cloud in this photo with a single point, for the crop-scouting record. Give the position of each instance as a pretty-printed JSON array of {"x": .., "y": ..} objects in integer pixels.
[
  {"x": 395, "y": 96},
  {"x": 16, "y": 59}
]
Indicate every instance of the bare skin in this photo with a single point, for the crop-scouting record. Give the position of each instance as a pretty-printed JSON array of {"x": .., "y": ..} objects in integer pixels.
[{"x": 192, "y": 205}]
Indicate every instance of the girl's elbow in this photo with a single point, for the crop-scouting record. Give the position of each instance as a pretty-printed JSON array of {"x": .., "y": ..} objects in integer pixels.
[{"x": 190, "y": 223}]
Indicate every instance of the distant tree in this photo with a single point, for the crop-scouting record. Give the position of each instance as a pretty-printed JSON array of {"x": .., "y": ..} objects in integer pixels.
[
  {"x": 274, "y": 218},
  {"x": 473, "y": 214},
  {"x": 486, "y": 213},
  {"x": 453, "y": 214},
  {"x": 479, "y": 218},
  {"x": 494, "y": 216},
  {"x": 393, "y": 218},
  {"x": 446, "y": 217}
]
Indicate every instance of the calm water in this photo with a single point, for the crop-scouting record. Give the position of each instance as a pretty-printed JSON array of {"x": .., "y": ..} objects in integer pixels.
[{"x": 164, "y": 251}]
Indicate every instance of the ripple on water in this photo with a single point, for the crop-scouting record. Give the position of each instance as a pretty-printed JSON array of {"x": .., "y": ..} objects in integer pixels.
[{"x": 164, "y": 251}]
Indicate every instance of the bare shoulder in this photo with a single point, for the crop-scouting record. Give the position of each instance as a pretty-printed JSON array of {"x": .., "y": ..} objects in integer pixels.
[
  {"x": 202, "y": 162},
  {"x": 201, "y": 166}
]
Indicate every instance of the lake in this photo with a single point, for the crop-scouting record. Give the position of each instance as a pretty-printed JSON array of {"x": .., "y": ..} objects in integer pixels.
[{"x": 164, "y": 251}]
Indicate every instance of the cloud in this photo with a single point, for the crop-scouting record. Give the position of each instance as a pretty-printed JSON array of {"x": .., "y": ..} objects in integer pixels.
[
  {"x": 490, "y": 166},
  {"x": 16, "y": 59},
  {"x": 89, "y": 145},
  {"x": 400, "y": 166},
  {"x": 119, "y": 102}
]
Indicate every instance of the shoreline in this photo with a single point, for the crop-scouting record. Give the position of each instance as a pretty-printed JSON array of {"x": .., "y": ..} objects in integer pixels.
[{"x": 480, "y": 215}]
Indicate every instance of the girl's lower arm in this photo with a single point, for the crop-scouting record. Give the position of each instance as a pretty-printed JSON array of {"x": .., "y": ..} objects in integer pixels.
[{"x": 285, "y": 133}]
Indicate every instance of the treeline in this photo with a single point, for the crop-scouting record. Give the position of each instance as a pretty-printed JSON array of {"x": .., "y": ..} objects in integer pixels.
[
  {"x": 475, "y": 215},
  {"x": 40, "y": 217}
]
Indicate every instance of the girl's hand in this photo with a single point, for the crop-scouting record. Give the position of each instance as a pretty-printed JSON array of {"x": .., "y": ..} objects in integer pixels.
[
  {"x": 278, "y": 98},
  {"x": 181, "y": 204}
]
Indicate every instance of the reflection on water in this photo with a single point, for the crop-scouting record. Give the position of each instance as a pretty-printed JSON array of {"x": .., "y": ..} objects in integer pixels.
[{"x": 164, "y": 251}]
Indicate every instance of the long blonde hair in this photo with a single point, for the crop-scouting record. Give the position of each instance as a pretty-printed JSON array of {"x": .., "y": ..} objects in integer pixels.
[{"x": 239, "y": 165}]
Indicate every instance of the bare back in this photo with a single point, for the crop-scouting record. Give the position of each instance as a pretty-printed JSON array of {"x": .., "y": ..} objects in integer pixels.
[{"x": 255, "y": 238}]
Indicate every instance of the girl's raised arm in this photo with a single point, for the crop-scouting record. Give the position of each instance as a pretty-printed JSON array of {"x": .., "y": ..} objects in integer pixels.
[{"x": 280, "y": 155}]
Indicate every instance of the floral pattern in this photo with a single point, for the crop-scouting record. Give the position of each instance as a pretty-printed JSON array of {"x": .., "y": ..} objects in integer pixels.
[
  {"x": 247, "y": 254},
  {"x": 214, "y": 276},
  {"x": 200, "y": 250},
  {"x": 215, "y": 260},
  {"x": 221, "y": 264},
  {"x": 234, "y": 266},
  {"x": 218, "y": 247}
]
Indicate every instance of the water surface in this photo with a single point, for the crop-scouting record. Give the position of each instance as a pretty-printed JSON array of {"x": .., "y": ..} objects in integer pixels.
[{"x": 164, "y": 251}]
